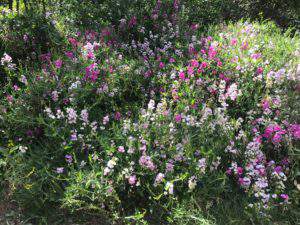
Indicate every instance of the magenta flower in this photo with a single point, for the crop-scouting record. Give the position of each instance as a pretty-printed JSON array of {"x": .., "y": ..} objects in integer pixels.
[
  {"x": 58, "y": 63},
  {"x": 117, "y": 116},
  {"x": 161, "y": 65},
  {"x": 240, "y": 170},
  {"x": 194, "y": 63},
  {"x": 69, "y": 54},
  {"x": 178, "y": 118},
  {"x": 285, "y": 197},
  {"x": 259, "y": 70},
  {"x": 204, "y": 65},
  {"x": 182, "y": 75}
]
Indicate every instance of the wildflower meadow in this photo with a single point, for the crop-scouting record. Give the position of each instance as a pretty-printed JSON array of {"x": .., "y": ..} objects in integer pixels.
[{"x": 149, "y": 112}]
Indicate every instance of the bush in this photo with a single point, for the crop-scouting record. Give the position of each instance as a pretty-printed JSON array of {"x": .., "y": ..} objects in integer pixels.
[{"x": 133, "y": 130}]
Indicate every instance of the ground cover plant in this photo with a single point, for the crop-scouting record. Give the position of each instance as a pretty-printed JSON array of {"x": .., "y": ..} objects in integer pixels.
[{"x": 150, "y": 118}]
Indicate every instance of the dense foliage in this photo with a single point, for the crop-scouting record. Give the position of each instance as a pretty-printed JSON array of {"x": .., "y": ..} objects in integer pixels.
[{"x": 150, "y": 117}]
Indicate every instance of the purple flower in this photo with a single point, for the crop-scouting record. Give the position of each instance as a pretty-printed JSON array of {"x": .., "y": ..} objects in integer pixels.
[
  {"x": 58, "y": 63},
  {"x": 69, "y": 158},
  {"x": 159, "y": 178},
  {"x": 285, "y": 197}
]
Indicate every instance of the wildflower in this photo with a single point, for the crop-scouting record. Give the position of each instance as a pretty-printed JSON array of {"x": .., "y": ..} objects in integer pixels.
[
  {"x": 161, "y": 65},
  {"x": 69, "y": 158},
  {"x": 121, "y": 149},
  {"x": 202, "y": 165},
  {"x": 259, "y": 70},
  {"x": 169, "y": 188},
  {"x": 159, "y": 178},
  {"x": 285, "y": 197},
  {"x": 84, "y": 116},
  {"x": 233, "y": 41},
  {"x": 24, "y": 80},
  {"x": 54, "y": 96},
  {"x": 244, "y": 45},
  {"x": 192, "y": 183},
  {"x": 146, "y": 161},
  {"x": 58, "y": 63},
  {"x": 111, "y": 163},
  {"x": 181, "y": 75},
  {"x": 265, "y": 104},
  {"x": 69, "y": 54},
  {"x": 105, "y": 120},
  {"x": 72, "y": 116},
  {"x": 295, "y": 130},
  {"x": 132, "y": 180},
  {"x": 203, "y": 65},
  {"x": 151, "y": 105},
  {"x": 178, "y": 118},
  {"x": 232, "y": 92},
  {"x": 74, "y": 136},
  {"x": 59, "y": 170},
  {"x": 6, "y": 59},
  {"x": 23, "y": 149},
  {"x": 117, "y": 116},
  {"x": 171, "y": 60},
  {"x": 169, "y": 167}
]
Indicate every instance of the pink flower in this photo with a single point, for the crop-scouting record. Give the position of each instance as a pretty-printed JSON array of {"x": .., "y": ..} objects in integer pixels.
[
  {"x": 194, "y": 26},
  {"x": 121, "y": 149},
  {"x": 132, "y": 21},
  {"x": 161, "y": 65},
  {"x": 178, "y": 118},
  {"x": 259, "y": 70},
  {"x": 194, "y": 63},
  {"x": 203, "y": 65},
  {"x": 182, "y": 75},
  {"x": 190, "y": 70},
  {"x": 233, "y": 41},
  {"x": 132, "y": 180},
  {"x": 265, "y": 104},
  {"x": 73, "y": 42},
  {"x": 256, "y": 56},
  {"x": 69, "y": 54},
  {"x": 295, "y": 130},
  {"x": 240, "y": 170},
  {"x": 171, "y": 60}
]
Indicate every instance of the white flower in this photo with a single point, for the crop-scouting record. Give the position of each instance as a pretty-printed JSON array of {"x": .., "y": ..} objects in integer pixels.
[
  {"x": 23, "y": 149},
  {"x": 192, "y": 183},
  {"x": 151, "y": 105}
]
